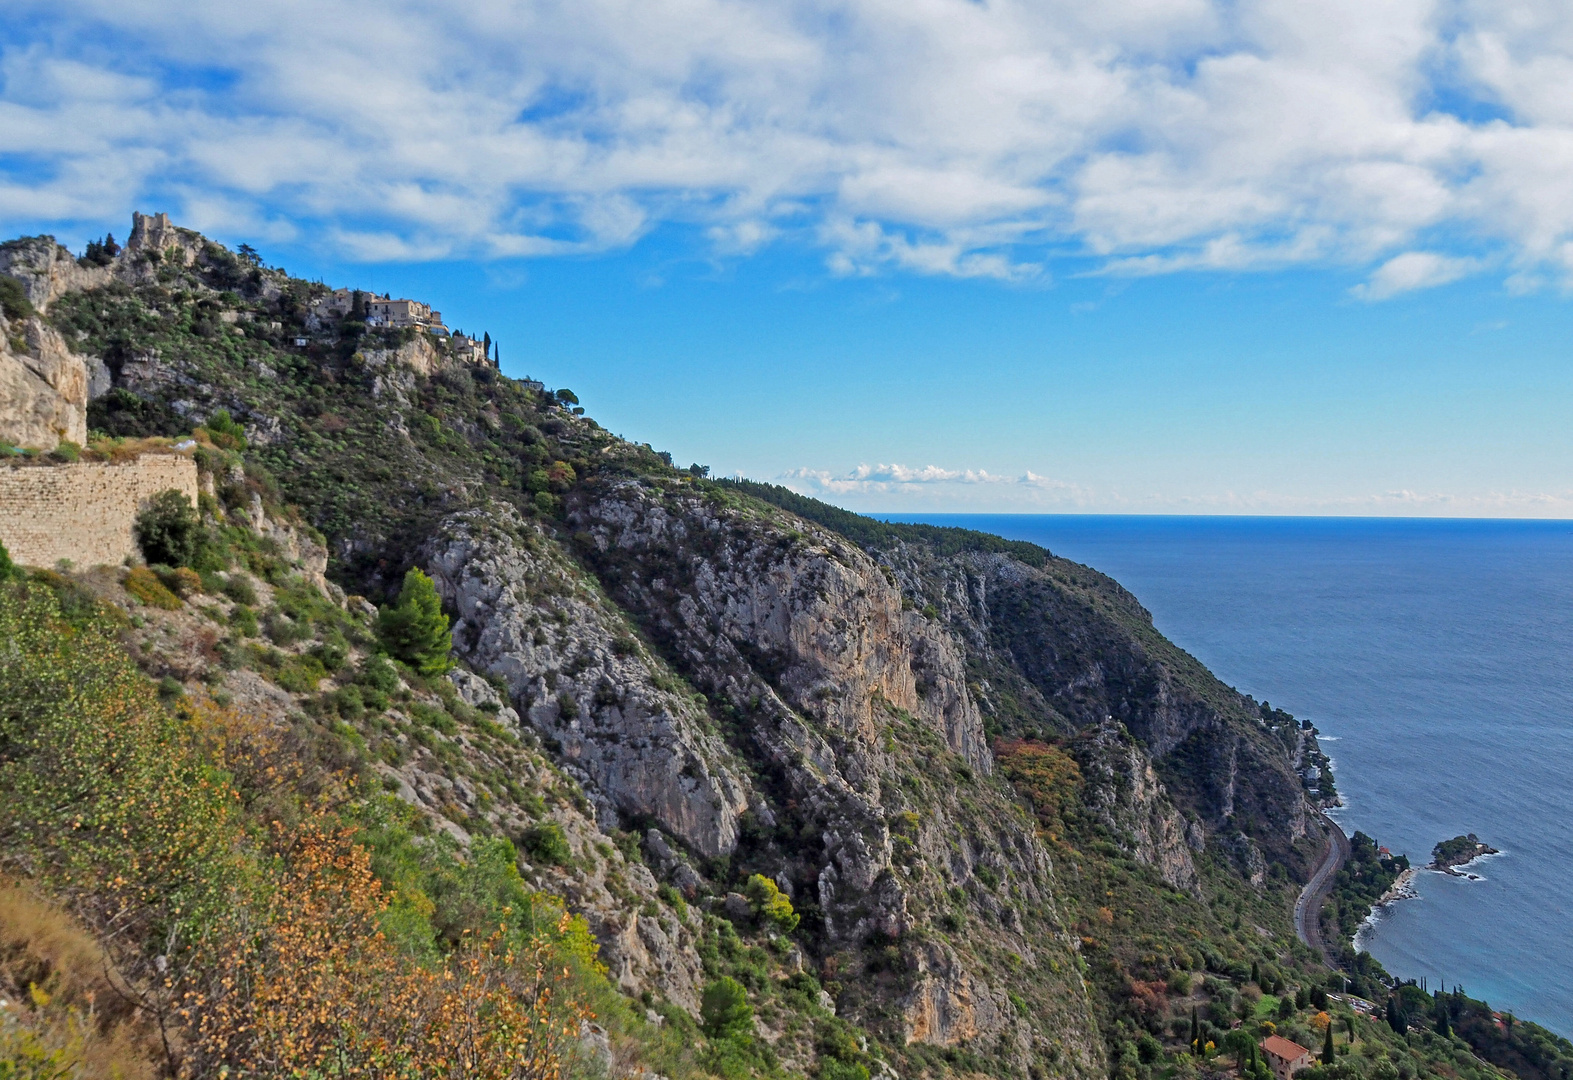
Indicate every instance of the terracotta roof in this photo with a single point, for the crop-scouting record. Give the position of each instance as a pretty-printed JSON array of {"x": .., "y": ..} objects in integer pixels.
[{"x": 1280, "y": 1047}]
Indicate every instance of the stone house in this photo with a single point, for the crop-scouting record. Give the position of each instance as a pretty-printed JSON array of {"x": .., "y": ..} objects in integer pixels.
[
  {"x": 399, "y": 313},
  {"x": 1285, "y": 1057},
  {"x": 472, "y": 350},
  {"x": 336, "y": 305}
]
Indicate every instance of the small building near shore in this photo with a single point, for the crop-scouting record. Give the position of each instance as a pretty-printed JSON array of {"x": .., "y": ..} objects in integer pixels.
[{"x": 1286, "y": 1057}]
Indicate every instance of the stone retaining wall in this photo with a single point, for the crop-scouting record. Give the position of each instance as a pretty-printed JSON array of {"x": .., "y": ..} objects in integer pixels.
[{"x": 83, "y": 512}]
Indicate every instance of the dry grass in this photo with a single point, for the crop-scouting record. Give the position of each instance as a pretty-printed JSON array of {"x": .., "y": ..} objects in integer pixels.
[
  {"x": 121, "y": 451},
  {"x": 64, "y": 1002},
  {"x": 143, "y": 584}
]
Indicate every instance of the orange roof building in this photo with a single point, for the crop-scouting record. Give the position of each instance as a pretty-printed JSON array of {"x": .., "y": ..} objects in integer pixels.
[{"x": 1285, "y": 1057}]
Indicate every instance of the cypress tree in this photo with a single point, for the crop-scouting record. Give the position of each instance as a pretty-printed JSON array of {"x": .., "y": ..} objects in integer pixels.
[
  {"x": 1256, "y": 973},
  {"x": 1196, "y": 1034},
  {"x": 1395, "y": 1015},
  {"x": 1327, "y": 1046}
]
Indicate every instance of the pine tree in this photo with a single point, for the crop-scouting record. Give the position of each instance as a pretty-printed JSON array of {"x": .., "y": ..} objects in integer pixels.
[{"x": 414, "y": 629}]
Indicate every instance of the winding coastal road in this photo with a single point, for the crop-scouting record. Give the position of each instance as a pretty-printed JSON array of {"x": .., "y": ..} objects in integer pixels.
[{"x": 1307, "y": 923}]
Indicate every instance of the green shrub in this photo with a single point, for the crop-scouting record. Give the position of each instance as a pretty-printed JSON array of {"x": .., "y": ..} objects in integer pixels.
[
  {"x": 378, "y": 674},
  {"x": 724, "y": 1010},
  {"x": 8, "y": 569},
  {"x": 674, "y": 900},
  {"x": 434, "y": 718},
  {"x": 168, "y": 530},
  {"x": 244, "y": 620},
  {"x": 240, "y": 589},
  {"x": 414, "y": 629},
  {"x": 349, "y": 702},
  {"x": 13, "y": 300},
  {"x": 225, "y": 432},
  {"x": 300, "y": 674},
  {"x": 770, "y": 903},
  {"x": 835, "y": 1069},
  {"x": 332, "y": 651},
  {"x": 545, "y": 843},
  {"x": 66, "y": 451},
  {"x": 376, "y": 701},
  {"x": 282, "y": 630}
]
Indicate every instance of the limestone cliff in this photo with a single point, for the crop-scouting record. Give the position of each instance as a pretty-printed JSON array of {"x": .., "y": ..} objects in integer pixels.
[
  {"x": 576, "y": 670},
  {"x": 1123, "y": 792},
  {"x": 43, "y": 387},
  {"x": 1059, "y": 648}
]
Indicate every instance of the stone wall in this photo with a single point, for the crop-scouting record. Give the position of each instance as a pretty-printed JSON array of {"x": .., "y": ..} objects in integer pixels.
[{"x": 83, "y": 512}]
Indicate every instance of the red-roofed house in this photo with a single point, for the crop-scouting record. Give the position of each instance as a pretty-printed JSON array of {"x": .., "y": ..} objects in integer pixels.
[{"x": 1284, "y": 1057}]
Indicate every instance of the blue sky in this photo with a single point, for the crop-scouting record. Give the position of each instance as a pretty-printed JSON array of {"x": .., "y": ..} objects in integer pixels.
[{"x": 1133, "y": 256}]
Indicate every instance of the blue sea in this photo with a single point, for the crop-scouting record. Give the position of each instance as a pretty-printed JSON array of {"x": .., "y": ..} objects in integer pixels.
[{"x": 1436, "y": 658}]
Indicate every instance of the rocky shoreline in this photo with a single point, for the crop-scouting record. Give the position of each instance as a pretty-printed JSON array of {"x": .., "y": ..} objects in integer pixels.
[{"x": 1403, "y": 888}]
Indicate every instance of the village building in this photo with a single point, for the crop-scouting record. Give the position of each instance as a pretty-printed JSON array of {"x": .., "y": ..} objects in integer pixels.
[
  {"x": 401, "y": 313},
  {"x": 470, "y": 349},
  {"x": 336, "y": 305},
  {"x": 1285, "y": 1057}
]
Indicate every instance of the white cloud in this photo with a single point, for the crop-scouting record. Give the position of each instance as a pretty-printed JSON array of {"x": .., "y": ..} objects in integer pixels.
[
  {"x": 931, "y": 136},
  {"x": 901, "y": 488},
  {"x": 933, "y": 485},
  {"x": 1410, "y": 271}
]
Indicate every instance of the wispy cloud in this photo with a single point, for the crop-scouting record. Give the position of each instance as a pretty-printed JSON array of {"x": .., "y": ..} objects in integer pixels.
[
  {"x": 935, "y": 482},
  {"x": 934, "y": 488},
  {"x": 933, "y": 137},
  {"x": 1410, "y": 271}
]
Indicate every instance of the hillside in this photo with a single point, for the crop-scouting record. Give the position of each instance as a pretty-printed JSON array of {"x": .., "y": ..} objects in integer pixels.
[{"x": 780, "y": 790}]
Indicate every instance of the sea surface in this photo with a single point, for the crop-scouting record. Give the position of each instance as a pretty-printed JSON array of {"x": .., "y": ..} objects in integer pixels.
[{"x": 1436, "y": 659}]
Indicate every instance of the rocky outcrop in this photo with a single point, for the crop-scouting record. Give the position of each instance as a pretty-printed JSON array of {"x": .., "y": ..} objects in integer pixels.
[
  {"x": 579, "y": 674},
  {"x": 43, "y": 389},
  {"x": 154, "y": 239},
  {"x": 809, "y": 614},
  {"x": 1122, "y": 791},
  {"x": 947, "y": 1006},
  {"x": 416, "y": 355},
  {"x": 47, "y": 270}
]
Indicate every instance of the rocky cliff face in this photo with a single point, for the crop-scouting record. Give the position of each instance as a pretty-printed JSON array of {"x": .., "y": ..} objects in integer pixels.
[
  {"x": 43, "y": 387},
  {"x": 1061, "y": 648},
  {"x": 1122, "y": 791},
  {"x": 47, "y": 270},
  {"x": 854, "y": 716},
  {"x": 575, "y": 668},
  {"x": 753, "y": 688}
]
